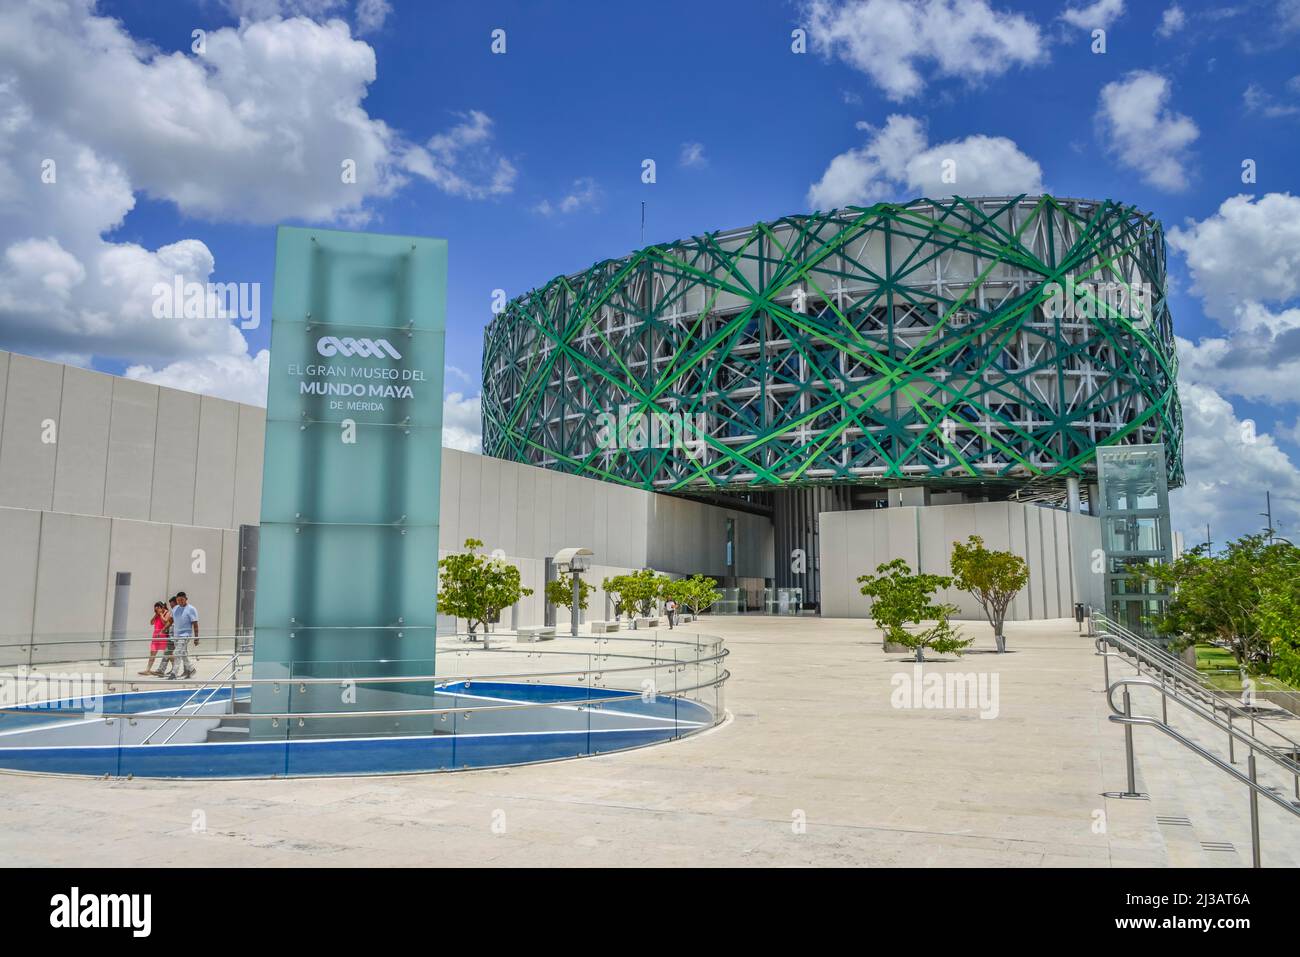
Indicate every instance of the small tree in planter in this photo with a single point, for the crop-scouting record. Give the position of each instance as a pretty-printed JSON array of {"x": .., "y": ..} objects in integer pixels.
[
  {"x": 994, "y": 578},
  {"x": 901, "y": 598},
  {"x": 559, "y": 591},
  {"x": 476, "y": 587},
  {"x": 642, "y": 589},
  {"x": 615, "y": 586},
  {"x": 694, "y": 593}
]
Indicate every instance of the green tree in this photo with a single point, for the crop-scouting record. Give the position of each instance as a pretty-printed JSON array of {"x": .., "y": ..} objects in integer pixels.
[
  {"x": 694, "y": 593},
  {"x": 994, "y": 578},
  {"x": 615, "y": 586},
  {"x": 1279, "y": 613},
  {"x": 1238, "y": 599},
  {"x": 640, "y": 590},
  {"x": 559, "y": 591},
  {"x": 902, "y": 599},
  {"x": 476, "y": 587}
]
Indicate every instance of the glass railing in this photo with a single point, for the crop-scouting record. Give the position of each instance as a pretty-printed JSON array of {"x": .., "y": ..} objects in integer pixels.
[{"x": 70, "y": 704}]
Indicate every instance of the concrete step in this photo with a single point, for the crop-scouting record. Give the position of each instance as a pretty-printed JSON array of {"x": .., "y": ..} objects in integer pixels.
[
  {"x": 228, "y": 735},
  {"x": 243, "y": 706}
]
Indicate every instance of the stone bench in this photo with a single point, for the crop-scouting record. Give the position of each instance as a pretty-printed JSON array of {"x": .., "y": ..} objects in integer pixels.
[
  {"x": 647, "y": 622},
  {"x": 601, "y": 627},
  {"x": 546, "y": 633}
]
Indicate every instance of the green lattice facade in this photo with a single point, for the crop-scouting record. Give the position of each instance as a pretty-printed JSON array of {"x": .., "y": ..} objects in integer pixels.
[{"x": 915, "y": 343}]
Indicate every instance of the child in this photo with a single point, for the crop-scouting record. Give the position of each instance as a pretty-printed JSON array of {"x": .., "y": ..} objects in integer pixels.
[{"x": 158, "y": 641}]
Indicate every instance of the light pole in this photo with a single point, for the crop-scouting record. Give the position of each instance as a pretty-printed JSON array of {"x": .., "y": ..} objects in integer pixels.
[{"x": 573, "y": 561}]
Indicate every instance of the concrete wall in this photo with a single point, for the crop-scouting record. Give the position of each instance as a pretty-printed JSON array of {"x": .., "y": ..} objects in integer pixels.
[
  {"x": 530, "y": 513},
  {"x": 1057, "y": 545},
  {"x": 100, "y": 474}
]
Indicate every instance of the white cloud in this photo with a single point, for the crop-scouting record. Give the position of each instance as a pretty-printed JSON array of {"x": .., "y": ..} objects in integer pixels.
[
  {"x": 371, "y": 15},
  {"x": 1249, "y": 250},
  {"x": 896, "y": 42},
  {"x": 1097, "y": 15},
  {"x": 1245, "y": 266},
  {"x": 255, "y": 128},
  {"x": 1142, "y": 132},
  {"x": 462, "y": 422},
  {"x": 584, "y": 194},
  {"x": 896, "y": 163},
  {"x": 692, "y": 156},
  {"x": 1171, "y": 21},
  {"x": 234, "y": 377},
  {"x": 1258, "y": 100},
  {"x": 1229, "y": 464},
  {"x": 461, "y": 162}
]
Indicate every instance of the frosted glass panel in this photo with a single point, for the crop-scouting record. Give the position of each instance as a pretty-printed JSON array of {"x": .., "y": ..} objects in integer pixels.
[{"x": 349, "y": 541}]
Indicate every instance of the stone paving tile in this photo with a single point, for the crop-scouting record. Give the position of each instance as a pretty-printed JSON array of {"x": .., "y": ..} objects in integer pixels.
[{"x": 815, "y": 768}]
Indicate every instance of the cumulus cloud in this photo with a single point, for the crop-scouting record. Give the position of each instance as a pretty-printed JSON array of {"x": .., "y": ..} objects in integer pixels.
[
  {"x": 1098, "y": 15},
  {"x": 1249, "y": 250},
  {"x": 896, "y": 162},
  {"x": 900, "y": 44},
  {"x": 584, "y": 194},
  {"x": 1245, "y": 266},
  {"x": 1229, "y": 464},
  {"x": 462, "y": 422},
  {"x": 259, "y": 126},
  {"x": 1143, "y": 133},
  {"x": 240, "y": 378}
]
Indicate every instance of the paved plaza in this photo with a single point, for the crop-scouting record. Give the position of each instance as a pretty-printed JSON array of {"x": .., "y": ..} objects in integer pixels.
[{"x": 814, "y": 766}]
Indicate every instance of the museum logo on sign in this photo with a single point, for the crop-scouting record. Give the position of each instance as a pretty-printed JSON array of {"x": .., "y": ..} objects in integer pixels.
[{"x": 347, "y": 346}]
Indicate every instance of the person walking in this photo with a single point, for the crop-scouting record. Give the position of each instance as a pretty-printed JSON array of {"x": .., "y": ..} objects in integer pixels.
[
  {"x": 185, "y": 625},
  {"x": 158, "y": 641},
  {"x": 671, "y": 608}
]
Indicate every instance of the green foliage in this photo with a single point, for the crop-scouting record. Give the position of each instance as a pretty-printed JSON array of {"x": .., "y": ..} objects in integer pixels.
[
  {"x": 476, "y": 587},
  {"x": 994, "y": 578},
  {"x": 902, "y": 599},
  {"x": 694, "y": 593},
  {"x": 614, "y": 586},
  {"x": 559, "y": 591},
  {"x": 1244, "y": 599}
]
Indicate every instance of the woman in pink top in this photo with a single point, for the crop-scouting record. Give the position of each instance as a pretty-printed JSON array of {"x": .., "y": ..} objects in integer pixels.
[{"x": 159, "y": 640}]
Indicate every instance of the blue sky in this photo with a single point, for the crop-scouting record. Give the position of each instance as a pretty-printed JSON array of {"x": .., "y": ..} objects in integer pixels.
[{"x": 484, "y": 150}]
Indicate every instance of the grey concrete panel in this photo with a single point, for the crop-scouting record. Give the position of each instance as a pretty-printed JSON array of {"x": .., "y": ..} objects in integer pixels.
[
  {"x": 471, "y": 500},
  {"x": 4, "y": 378},
  {"x": 175, "y": 457},
  {"x": 506, "y": 509},
  {"x": 141, "y": 548},
  {"x": 20, "y": 530},
  {"x": 449, "y": 535},
  {"x": 248, "y": 466},
  {"x": 33, "y": 392},
  {"x": 489, "y": 502},
  {"x": 128, "y": 484},
  {"x": 200, "y": 582},
  {"x": 214, "y": 480},
  {"x": 72, "y": 569},
  {"x": 82, "y": 455}
]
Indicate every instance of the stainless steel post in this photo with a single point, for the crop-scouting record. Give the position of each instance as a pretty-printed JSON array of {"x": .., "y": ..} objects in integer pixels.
[
  {"x": 1232, "y": 741},
  {"x": 1128, "y": 748},
  {"x": 1254, "y": 815}
]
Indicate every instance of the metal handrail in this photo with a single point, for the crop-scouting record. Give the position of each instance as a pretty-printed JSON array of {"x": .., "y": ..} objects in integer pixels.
[
  {"x": 623, "y": 694},
  {"x": 198, "y": 691},
  {"x": 1127, "y": 718},
  {"x": 1192, "y": 680}
]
